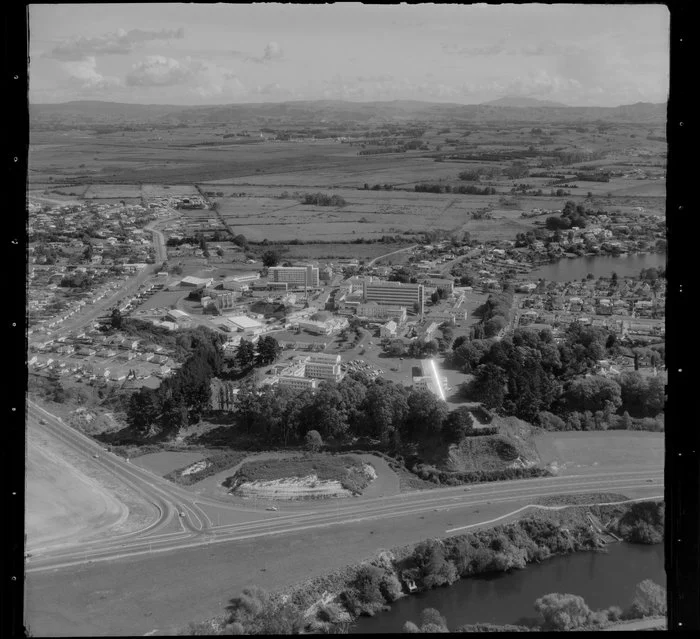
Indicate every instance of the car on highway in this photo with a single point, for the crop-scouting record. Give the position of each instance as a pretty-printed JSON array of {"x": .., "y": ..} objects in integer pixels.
[
  {"x": 181, "y": 513},
  {"x": 271, "y": 508},
  {"x": 96, "y": 456},
  {"x": 650, "y": 481},
  {"x": 42, "y": 422}
]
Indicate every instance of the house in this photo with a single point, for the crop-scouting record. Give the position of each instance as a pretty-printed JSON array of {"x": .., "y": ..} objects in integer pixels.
[{"x": 388, "y": 329}]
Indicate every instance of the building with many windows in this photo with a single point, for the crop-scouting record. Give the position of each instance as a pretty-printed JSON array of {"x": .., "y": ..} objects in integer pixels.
[
  {"x": 295, "y": 276},
  {"x": 323, "y": 366},
  {"x": 375, "y": 311},
  {"x": 394, "y": 294},
  {"x": 297, "y": 383}
]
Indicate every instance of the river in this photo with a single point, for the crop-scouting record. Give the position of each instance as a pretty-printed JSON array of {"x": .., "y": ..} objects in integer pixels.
[
  {"x": 602, "y": 579},
  {"x": 577, "y": 268}
]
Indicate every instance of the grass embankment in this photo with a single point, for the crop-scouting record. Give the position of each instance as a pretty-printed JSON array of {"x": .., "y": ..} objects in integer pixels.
[
  {"x": 193, "y": 473},
  {"x": 345, "y": 469},
  {"x": 328, "y": 601}
]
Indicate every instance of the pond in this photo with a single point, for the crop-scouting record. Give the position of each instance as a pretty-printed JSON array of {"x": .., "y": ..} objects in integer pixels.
[
  {"x": 602, "y": 579},
  {"x": 568, "y": 269}
]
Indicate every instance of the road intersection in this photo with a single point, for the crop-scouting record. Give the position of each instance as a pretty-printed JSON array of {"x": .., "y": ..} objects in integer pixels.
[{"x": 184, "y": 520}]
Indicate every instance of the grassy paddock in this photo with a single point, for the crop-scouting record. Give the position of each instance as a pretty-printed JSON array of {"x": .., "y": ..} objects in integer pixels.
[{"x": 215, "y": 463}]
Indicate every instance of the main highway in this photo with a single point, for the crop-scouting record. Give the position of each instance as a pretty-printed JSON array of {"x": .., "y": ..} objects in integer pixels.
[{"x": 218, "y": 546}]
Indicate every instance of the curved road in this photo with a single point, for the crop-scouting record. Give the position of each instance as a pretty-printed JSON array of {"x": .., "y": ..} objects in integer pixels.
[{"x": 249, "y": 540}]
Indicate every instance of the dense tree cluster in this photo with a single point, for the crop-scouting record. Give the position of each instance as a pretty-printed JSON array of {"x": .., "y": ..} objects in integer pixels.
[
  {"x": 321, "y": 199},
  {"x": 572, "y": 215},
  {"x": 182, "y": 398},
  {"x": 353, "y": 407},
  {"x": 530, "y": 376}
]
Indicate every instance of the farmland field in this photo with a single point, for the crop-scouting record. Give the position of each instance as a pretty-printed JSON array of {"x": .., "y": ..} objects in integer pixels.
[{"x": 367, "y": 214}]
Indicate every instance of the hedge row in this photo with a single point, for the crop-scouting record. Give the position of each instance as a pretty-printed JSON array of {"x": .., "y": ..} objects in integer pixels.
[{"x": 456, "y": 478}]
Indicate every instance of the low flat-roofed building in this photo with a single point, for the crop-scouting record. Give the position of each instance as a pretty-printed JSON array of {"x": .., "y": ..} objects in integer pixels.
[
  {"x": 245, "y": 325},
  {"x": 190, "y": 280},
  {"x": 298, "y": 383},
  {"x": 176, "y": 315}
]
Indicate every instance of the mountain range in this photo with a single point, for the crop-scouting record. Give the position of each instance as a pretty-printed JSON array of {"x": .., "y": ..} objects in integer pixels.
[{"x": 507, "y": 109}]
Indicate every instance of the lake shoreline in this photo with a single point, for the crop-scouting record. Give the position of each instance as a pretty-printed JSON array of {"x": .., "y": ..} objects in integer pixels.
[{"x": 571, "y": 527}]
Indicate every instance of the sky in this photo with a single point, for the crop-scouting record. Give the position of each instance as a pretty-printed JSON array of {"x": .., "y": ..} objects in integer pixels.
[{"x": 184, "y": 54}]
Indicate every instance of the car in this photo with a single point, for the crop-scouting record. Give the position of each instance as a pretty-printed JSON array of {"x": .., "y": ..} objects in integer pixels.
[
  {"x": 467, "y": 489},
  {"x": 42, "y": 422},
  {"x": 181, "y": 513},
  {"x": 271, "y": 508},
  {"x": 650, "y": 481},
  {"x": 96, "y": 456}
]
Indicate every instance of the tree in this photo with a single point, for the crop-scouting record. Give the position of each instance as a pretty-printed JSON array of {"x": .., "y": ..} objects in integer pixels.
[
  {"x": 245, "y": 355},
  {"x": 386, "y": 408},
  {"x": 426, "y": 414},
  {"x": 435, "y": 569},
  {"x": 649, "y": 599},
  {"x": 268, "y": 350},
  {"x": 116, "y": 319},
  {"x": 457, "y": 424},
  {"x": 592, "y": 393},
  {"x": 313, "y": 441},
  {"x": 562, "y": 612},
  {"x": 270, "y": 258},
  {"x": 488, "y": 386}
]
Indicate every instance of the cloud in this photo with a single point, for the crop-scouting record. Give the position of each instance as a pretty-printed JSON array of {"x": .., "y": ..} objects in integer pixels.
[
  {"x": 272, "y": 52},
  {"x": 119, "y": 43},
  {"x": 547, "y": 48},
  {"x": 84, "y": 75},
  {"x": 492, "y": 49},
  {"x": 157, "y": 70}
]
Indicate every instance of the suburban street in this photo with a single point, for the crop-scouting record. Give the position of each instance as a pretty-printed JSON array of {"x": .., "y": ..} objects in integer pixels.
[
  {"x": 216, "y": 548},
  {"x": 129, "y": 287}
]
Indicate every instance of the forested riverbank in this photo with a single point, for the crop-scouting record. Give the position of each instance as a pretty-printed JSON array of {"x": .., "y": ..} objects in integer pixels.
[{"x": 331, "y": 602}]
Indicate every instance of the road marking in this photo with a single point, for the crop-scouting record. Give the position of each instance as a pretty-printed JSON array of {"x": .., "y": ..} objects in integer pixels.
[{"x": 519, "y": 510}]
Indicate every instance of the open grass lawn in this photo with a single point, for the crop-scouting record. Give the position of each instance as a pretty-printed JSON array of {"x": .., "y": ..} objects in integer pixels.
[
  {"x": 601, "y": 450},
  {"x": 345, "y": 469}
]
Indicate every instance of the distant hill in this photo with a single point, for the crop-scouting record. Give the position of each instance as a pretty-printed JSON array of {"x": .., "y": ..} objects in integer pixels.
[
  {"x": 519, "y": 101},
  {"x": 312, "y": 113}
]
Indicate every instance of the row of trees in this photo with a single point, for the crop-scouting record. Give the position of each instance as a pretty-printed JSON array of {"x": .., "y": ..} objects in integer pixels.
[
  {"x": 353, "y": 407},
  {"x": 265, "y": 352},
  {"x": 447, "y": 188}
]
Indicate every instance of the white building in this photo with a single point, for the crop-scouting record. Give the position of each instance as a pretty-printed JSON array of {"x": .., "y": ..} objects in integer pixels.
[
  {"x": 388, "y": 329},
  {"x": 394, "y": 294},
  {"x": 295, "y": 276},
  {"x": 323, "y": 366},
  {"x": 372, "y": 310},
  {"x": 190, "y": 280},
  {"x": 245, "y": 325},
  {"x": 298, "y": 383}
]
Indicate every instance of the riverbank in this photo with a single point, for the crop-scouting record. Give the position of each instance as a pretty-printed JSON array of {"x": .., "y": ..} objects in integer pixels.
[{"x": 343, "y": 596}]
